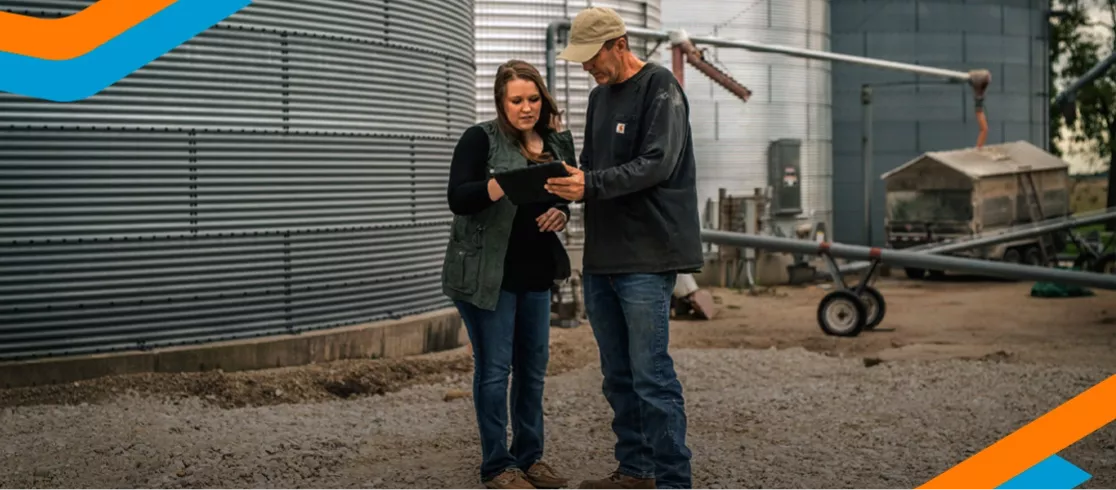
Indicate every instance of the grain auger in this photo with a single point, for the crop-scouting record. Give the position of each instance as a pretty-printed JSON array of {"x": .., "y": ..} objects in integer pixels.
[{"x": 979, "y": 81}]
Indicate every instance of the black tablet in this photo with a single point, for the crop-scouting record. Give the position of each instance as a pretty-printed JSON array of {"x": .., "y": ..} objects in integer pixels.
[{"x": 528, "y": 185}]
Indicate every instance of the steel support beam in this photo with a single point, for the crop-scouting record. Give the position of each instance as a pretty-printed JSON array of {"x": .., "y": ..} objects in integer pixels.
[
  {"x": 814, "y": 54},
  {"x": 1016, "y": 233},
  {"x": 1065, "y": 100},
  {"x": 685, "y": 51},
  {"x": 979, "y": 79},
  {"x": 921, "y": 260}
]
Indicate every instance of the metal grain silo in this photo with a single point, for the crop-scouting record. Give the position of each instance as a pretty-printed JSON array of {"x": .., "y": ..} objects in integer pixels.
[
  {"x": 284, "y": 171},
  {"x": 790, "y": 102},
  {"x": 912, "y": 114}
]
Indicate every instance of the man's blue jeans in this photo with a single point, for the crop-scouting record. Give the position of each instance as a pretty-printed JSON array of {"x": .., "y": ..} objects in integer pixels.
[
  {"x": 514, "y": 339},
  {"x": 630, "y": 315}
]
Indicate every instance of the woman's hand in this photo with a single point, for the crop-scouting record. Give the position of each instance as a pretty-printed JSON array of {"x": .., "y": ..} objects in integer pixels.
[
  {"x": 495, "y": 192},
  {"x": 552, "y": 220}
]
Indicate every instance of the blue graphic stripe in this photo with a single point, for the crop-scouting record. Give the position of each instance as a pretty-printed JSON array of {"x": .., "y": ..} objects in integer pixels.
[
  {"x": 1053, "y": 472},
  {"x": 84, "y": 76}
]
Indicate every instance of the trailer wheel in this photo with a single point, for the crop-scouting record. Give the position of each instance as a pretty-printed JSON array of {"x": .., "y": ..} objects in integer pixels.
[
  {"x": 913, "y": 273},
  {"x": 1106, "y": 264},
  {"x": 874, "y": 307},
  {"x": 1012, "y": 256},
  {"x": 1032, "y": 256},
  {"x": 842, "y": 313}
]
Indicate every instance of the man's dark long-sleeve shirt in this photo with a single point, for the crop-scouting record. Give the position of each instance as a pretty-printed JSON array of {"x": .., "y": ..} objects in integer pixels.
[
  {"x": 641, "y": 209},
  {"x": 529, "y": 263}
]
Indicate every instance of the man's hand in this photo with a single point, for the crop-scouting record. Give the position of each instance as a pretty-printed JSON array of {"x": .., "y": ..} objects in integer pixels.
[
  {"x": 570, "y": 188},
  {"x": 552, "y": 220}
]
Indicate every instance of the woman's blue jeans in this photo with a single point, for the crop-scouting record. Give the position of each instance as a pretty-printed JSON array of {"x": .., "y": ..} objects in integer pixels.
[{"x": 513, "y": 339}]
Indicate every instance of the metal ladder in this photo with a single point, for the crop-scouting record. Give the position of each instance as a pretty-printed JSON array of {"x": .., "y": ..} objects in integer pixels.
[{"x": 1034, "y": 206}]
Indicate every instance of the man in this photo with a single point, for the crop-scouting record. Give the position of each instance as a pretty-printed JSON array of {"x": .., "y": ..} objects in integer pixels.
[{"x": 636, "y": 179}]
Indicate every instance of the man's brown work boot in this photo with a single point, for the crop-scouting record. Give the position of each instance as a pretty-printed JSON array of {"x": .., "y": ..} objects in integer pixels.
[
  {"x": 617, "y": 480},
  {"x": 541, "y": 475},
  {"x": 508, "y": 479}
]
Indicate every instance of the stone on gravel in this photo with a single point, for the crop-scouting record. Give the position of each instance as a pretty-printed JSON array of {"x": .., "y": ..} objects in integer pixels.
[{"x": 757, "y": 418}]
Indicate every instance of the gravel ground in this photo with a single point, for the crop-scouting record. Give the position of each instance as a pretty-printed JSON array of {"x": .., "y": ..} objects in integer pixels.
[{"x": 758, "y": 418}]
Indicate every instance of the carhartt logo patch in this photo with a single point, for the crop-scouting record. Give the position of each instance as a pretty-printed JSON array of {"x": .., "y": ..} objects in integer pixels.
[{"x": 619, "y": 128}]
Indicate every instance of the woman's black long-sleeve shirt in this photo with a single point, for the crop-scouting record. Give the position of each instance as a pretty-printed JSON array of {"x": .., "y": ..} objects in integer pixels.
[{"x": 529, "y": 264}]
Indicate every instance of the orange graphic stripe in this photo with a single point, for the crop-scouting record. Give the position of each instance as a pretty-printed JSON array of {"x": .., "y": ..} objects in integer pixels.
[
  {"x": 75, "y": 35},
  {"x": 1034, "y": 442}
]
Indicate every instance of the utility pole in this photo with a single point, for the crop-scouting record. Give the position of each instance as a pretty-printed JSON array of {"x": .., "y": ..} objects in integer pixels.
[{"x": 866, "y": 152}]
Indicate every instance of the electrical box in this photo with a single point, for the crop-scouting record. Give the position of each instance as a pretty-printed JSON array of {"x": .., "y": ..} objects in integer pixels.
[{"x": 784, "y": 174}]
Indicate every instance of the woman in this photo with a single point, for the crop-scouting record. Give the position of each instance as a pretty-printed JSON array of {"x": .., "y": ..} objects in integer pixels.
[{"x": 500, "y": 265}]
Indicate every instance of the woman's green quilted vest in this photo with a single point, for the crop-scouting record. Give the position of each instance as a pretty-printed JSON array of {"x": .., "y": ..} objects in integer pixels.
[{"x": 474, "y": 262}]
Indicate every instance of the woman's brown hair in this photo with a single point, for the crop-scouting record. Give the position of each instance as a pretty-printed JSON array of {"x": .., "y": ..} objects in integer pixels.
[{"x": 522, "y": 70}]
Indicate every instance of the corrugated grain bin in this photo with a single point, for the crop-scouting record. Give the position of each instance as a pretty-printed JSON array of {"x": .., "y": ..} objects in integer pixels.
[
  {"x": 283, "y": 171},
  {"x": 788, "y": 114}
]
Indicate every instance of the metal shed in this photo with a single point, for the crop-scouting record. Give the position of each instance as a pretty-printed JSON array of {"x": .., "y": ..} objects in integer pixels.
[{"x": 950, "y": 194}]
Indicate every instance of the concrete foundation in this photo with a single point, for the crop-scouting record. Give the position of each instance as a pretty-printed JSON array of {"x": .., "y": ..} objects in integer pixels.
[
  {"x": 418, "y": 334},
  {"x": 771, "y": 270}
]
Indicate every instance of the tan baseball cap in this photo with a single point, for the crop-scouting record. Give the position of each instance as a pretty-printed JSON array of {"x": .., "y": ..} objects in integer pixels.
[{"x": 589, "y": 31}]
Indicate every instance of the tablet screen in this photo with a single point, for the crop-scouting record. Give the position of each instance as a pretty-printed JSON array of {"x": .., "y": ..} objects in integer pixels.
[{"x": 528, "y": 185}]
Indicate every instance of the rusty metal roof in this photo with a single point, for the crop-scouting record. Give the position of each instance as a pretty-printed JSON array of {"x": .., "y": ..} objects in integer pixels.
[{"x": 1004, "y": 159}]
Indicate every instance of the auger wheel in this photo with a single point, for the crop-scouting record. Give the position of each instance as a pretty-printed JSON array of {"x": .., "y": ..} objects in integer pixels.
[
  {"x": 842, "y": 313},
  {"x": 874, "y": 306},
  {"x": 847, "y": 311}
]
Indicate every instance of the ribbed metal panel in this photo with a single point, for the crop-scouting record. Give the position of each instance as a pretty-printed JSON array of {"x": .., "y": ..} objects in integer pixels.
[
  {"x": 516, "y": 29},
  {"x": 285, "y": 171},
  {"x": 791, "y": 96},
  {"x": 1007, "y": 37}
]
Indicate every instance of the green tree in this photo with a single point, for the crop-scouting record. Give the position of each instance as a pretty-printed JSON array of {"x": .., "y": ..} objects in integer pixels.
[{"x": 1082, "y": 34}]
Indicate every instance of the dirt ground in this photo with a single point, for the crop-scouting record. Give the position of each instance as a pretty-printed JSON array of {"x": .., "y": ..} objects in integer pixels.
[
  {"x": 958, "y": 317},
  {"x": 981, "y": 343}
]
